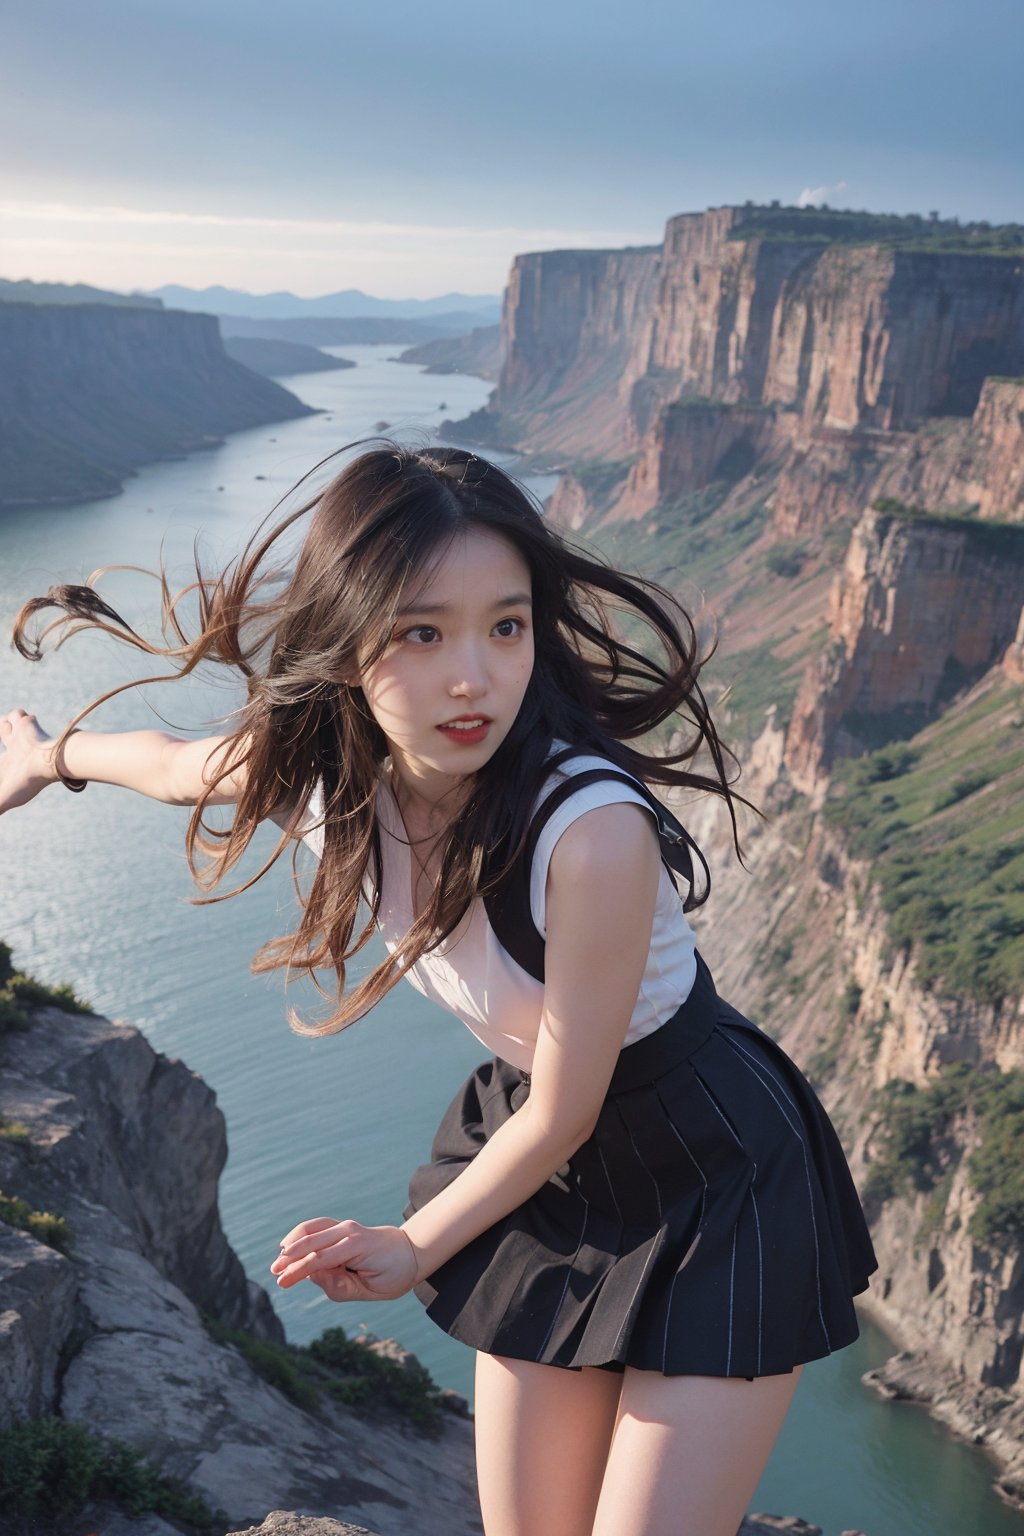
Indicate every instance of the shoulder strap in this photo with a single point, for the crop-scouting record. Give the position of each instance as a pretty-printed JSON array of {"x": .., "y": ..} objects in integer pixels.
[{"x": 508, "y": 906}]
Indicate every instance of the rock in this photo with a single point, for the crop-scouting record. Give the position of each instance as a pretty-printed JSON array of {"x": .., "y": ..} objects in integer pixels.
[
  {"x": 455, "y": 1402},
  {"x": 128, "y": 1146},
  {"x": 770, "y": 1525},
  {"x": 281, "y": 1523},
  {"x": 37, "y": 1312},
  {"x": 915, "y": 602}
]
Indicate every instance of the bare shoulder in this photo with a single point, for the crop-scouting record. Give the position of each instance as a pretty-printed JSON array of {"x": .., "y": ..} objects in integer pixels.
[{"x": 607, "y": 840}]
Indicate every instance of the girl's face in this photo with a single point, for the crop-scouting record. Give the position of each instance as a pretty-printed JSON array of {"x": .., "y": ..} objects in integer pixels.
[{"x": 461, "y": 649}]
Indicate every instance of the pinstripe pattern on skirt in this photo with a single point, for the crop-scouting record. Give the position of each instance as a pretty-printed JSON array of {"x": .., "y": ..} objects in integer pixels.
[{"x": 709, "y": 1225}]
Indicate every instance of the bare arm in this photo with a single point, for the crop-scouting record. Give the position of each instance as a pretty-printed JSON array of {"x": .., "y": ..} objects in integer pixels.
[
  {"x": 151, "y": 762},
  {"x": 594, "y": 962},
  {"x": 595, "y": 956}
]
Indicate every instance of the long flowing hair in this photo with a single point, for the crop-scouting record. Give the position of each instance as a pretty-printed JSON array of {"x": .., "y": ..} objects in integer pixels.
[{"x": 294, "y": 630}]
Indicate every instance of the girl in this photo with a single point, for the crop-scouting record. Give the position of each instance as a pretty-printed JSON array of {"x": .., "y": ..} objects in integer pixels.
[{"x": 637, "y": 1211}]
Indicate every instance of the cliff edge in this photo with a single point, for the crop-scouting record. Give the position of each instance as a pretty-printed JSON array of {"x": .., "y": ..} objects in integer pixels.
[{"x": 111, "y": 1333}]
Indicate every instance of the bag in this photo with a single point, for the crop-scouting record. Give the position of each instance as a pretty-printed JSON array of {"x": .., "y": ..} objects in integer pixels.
[{"x": 508, "y": 905}]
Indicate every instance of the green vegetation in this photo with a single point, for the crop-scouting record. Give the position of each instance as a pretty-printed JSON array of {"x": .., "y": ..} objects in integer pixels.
[
  {"x": 996, "y": 535},
  {"x": 946, "y": 837},
  {"x": 342, "y": 1368},
  {"x": 49, "y": 1229},
  {"x": 900, "y": 231},
  {"x": 919, "y": 1151},
  {"x": 786, "y": 558},
  {"x": 13, "y": 1130},
  {"x": 50, "y": 1469},
  {"x": 19, "y": 993}
]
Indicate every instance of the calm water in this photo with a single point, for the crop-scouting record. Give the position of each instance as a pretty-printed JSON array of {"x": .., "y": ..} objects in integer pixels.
[{"x": 96, "y": 893}]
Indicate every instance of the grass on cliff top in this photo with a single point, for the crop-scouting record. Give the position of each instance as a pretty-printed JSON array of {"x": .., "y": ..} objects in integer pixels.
[
  {"x": 919, "y": 1150},
  {"x": 902, "y": 231},
  {"x": 996, "y": 535},
  {"x": 941, "y": 817},
  {"x": 20, "y": 993}
]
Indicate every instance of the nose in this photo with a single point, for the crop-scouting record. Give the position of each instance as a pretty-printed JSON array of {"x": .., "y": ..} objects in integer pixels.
[{"x": 468, "y": 677}]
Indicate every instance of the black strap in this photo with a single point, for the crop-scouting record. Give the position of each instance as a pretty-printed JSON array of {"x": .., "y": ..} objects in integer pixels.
[{"x": 508, "y": 906}]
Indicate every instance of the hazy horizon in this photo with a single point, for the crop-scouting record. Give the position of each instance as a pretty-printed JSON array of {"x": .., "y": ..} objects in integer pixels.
[{"x": 179, "y": 143}]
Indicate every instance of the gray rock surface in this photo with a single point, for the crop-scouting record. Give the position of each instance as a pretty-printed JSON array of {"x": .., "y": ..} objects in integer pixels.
[
  {"x": 281, "y": 1523},
  {"x": 128, "y": 1146}
]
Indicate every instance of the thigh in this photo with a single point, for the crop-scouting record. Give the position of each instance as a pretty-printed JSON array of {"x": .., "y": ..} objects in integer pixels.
[
  {"x": 542, "y": 1437},
  {"x": 687, "y": 1452}
]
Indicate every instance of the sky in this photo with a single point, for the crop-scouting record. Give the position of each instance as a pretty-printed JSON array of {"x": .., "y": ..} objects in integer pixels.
[{"x": 412, "y": 150}]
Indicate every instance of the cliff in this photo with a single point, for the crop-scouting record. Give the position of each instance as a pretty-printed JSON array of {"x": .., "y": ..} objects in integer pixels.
[
  {"x": 922, "y": 607},
  {"x": 742, "y": 345},
  {"x": 127, "y": 1147},
  {"x": 878, "y": 946},
  {"x": 91, "y": 391},
  {"x": 479, "y": 352},
  {"x": 273, "y": 358},
  {"x": 569, "y": 325}
]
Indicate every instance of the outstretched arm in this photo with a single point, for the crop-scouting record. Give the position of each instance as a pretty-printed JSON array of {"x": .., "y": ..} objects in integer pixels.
[
  {"x": 595, "y": 956},
  {"x": 153, "y": 763}
]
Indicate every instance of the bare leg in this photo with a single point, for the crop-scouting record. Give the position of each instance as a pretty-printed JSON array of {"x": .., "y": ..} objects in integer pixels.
[
  {"x": 542, "y": 1436},
  {"x": 687, "y": 1452}
]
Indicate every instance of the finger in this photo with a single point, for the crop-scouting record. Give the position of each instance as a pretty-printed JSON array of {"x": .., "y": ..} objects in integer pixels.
[
  {"x": 344, "y": 1253},
  {"x": 300, "y": 1246},
  {"x": 304, "y": 1228}
]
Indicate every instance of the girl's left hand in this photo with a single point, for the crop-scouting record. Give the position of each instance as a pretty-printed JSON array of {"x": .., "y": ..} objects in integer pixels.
[{"x": 349, "y": 1262}]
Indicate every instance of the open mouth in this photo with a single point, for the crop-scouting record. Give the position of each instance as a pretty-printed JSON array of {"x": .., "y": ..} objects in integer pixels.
[{"x": 470, "y": 730}]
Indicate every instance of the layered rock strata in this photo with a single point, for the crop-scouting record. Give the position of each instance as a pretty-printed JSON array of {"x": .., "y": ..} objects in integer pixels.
[{"x": 919, "y": 610}]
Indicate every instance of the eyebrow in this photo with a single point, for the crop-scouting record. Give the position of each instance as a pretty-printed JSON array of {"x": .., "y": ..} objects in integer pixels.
[{"x": 516, "y": 600}]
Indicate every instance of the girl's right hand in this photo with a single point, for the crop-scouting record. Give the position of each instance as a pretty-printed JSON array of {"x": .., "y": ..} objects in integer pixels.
[{"x": 25, "y": 765}]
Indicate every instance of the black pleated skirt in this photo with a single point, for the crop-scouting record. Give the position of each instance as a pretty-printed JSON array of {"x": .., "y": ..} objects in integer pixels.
[{"x": 710, "y": 1224}]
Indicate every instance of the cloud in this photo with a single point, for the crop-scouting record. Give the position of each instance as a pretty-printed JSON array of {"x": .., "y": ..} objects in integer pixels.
[
  {"x": 819, "y": 194},
  {"x": 109, "y": 214},
  {"x": 124, "y": 247}
]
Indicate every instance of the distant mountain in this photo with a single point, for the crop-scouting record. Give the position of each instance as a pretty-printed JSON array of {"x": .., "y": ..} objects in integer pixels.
[
  {"x": 26, "y": 292},
  {"x": 349, "y": 303},
  {"x": 328, "y": 331}
]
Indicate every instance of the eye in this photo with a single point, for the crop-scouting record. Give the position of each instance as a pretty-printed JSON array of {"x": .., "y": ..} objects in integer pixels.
[
  {"x": 418, "y": 629},
  {"x": 519, "y": 622}
]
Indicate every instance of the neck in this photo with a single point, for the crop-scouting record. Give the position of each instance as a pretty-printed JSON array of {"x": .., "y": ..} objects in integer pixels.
[{"x": 435, "y": 800}]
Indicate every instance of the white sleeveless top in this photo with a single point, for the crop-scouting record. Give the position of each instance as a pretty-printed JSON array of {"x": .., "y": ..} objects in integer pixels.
[{"x": 472, "y": 976}]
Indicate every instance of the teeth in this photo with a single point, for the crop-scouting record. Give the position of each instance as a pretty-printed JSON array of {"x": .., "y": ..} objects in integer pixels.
[{"x": 464, "y": 725}]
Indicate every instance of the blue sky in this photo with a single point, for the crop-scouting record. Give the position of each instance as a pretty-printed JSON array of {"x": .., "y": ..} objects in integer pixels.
[{"x": 412, "y": 149}]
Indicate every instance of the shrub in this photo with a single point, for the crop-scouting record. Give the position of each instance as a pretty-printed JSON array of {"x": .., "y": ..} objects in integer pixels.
[
  {"x": 49, "y": 1229},
  {"x": 341, "y": 1367},
  {"x": 786, "y": 559},
  {"x": 19, "y": 993},
  {"x": 369, "y": 1378},
  {"x": 50, "y": 1468},
  {"x": 966, "y": 784}
]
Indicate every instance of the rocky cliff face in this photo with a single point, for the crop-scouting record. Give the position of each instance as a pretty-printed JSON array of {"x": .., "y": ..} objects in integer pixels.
[
  {"x": 90, "y": 391},
  {"x": 920, "y": 608},
  {"x": 569, "y": 327},
  {"x": 865, "y": 367},
  {"x": 801, "y": 942},
  {"x": 128, "y": 1146}
]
